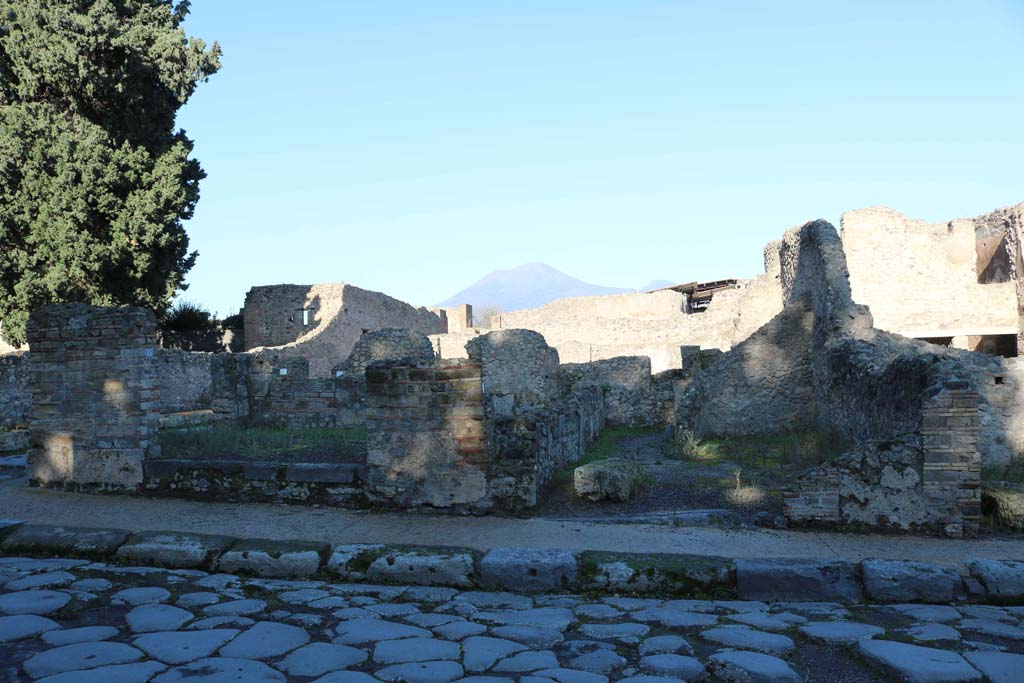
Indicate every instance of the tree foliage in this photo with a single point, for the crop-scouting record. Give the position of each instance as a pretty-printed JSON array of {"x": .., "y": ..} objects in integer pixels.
[{"x": 95, "y": 178}]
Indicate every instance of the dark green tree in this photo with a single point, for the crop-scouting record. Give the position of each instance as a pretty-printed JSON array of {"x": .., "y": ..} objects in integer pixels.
[{"x": 95, "y": 177}]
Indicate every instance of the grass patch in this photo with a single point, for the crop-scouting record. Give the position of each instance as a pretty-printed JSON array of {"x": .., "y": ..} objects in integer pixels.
[
  {"x": 1012, "y": 472},
  {"x": 763, "y": 459},
  {"x": 265, "y": 443},
  {"x": 606, "y": 445}
]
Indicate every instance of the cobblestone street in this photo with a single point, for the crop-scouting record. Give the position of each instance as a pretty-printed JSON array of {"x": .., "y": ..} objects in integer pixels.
[{"x": 71, "y": 621}]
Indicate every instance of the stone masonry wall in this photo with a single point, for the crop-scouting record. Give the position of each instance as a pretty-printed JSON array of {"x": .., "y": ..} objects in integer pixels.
[
  {"x": 15, "y": 395},
  {"x": 94, "y": 394},
  {"x": 425, "y": 423},
  {"x": 632, "y": 397},
  {"x": 390, "y": 344},
  {"x": 185, "y": 380},
  {"x": 338, "y": 316}
]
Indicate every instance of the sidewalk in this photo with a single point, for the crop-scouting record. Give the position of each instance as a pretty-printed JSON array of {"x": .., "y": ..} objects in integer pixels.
[{"x": 278, "y": 522}]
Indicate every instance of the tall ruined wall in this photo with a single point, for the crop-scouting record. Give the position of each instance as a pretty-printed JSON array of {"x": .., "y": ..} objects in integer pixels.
[
  {"x": 338, "y": 315},
  {"x": 15, "y": 395},
  {"x": 926, "y": 279},
  {"x": 95, "y": 396}
]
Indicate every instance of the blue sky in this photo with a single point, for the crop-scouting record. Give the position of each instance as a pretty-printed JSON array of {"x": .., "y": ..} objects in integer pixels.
[{"x": 412, "y": 146}]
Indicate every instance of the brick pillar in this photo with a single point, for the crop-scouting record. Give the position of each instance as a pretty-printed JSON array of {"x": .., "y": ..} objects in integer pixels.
[
  {"x": 94, "y": 395},
  {"x": 952, "y": 463}
]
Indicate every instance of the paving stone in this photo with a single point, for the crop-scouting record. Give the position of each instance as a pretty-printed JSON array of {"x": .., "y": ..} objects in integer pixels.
[
  {"x": 632, "y": 604},
  {"x": 414, "y": 650},
  {"x": 742, "y": 605},
  {"x": 200, "y": 599},
  {"x": 220, "y": 622},
  {"x": 316, "y": 659},
  {"x": 169, "y": 549},
  {"x": 991, "y": 627},
  {"x": 598, "y": 662},
  {"x": 346, "y": 677},
  {"x": 598, "y": 612},
  {"x": 1002, "y": 580},
  {"x": 812, "y": 610},
  {"x": 563, "y": 675},
  {"x": 265, "y": 640},
  {"x": 139, "y": 672},
  {"x": 393, "y": 609},
  {"x": 678, "y": 666},
  {"x": 431, "y": 620},
  {"x": 149, "y": 618},
  {"x": 930, "y": 633},
  {"x": 421, "y": 672},
  {"x": 524, "y": 662},
  {"x": 354, "y": 613},
  {"x": 918, "y": 664},
  {"x": 531, "y": 636},
  {"x": 744, "y": 638},
  {"x": 563, "y": 600},
  {"x": 79, "y": 656},
  {"x": 767, "y": 622},
  {"x": 221, "y": 670},
  {"x": 20, "y": 626},
  {"x": 998, "y": 667},
  {"x": 304, "y": 619},
  {"x": 902, "y": 581},
  {"x": 218, "y": 582},
  {"x": 484, "y": 679},
  {"x": 33, "y": 602},
  {"x": 85, "y": 634},
  {"x": 987, "y": 612},
  {"x": 302, "y": 596},
  {"x": 797, "y": 580},
  {"x": 140, "y": 596},
  {"x": 626, "y": 632},
  {"x": 181, "y": 647},
  {"x": 574, "y": 648},
  {"x": 28, "y": 564},
  {"x": 839, "y": 632},
  {"x": 705, "y": 606},
  {"x": 235, "y": 608},
  {"x": 44, "y": 539},
  {"x": 936, "y": 613},
  {"x": 675, "y": 618},
  {"x": 528, "y": 570},
  {"x": 356, "y": 631},
  {"x": 642, "y": 678},
  {"x": 92, "y": 585},
  {"x": 274, "y": 558},
  {"x": 495, "y": 600},
  {"x": 45, "y": 580},
  {"x": 429, "y": 594},
  {"x": 333, "y": 602},
  {"x": 558, "y": 618},
  {"x": 479, "y": 653},
  {"x": 667, "y": 644},
  {"x": 738, "y": 666},
  {"x": 424, "y": 567}
]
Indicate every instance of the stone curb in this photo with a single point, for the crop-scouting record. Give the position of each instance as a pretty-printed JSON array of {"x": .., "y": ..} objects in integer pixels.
[{"x": 533, "y": 570}]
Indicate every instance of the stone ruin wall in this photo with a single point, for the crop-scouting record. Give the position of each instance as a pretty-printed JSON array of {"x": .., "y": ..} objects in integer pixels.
[
  {"x": 633, "y": 397},
  {"x": 95, "y": 397},
  {"x": 479, "y": 433},
  {"x": 950, "y": 279},
  {"x": 585, "y": 329},
  {"x": 882, "y": 392},
  {"x": 15, "y": 395},
  {"x": 338, "y": 316}
]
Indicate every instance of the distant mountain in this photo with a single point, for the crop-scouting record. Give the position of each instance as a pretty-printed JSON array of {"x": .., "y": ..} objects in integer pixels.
[
  {"x": 525, "y": 286},
  {"x": 657, "y": 284}
]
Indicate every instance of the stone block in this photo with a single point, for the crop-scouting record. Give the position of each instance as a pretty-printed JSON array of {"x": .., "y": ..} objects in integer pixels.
[
  {"x": 611, "y": 479},
  {"x": 902, "y": 581},
  {"x": 688, "y": 576},
  {"x": 1004, "y": 504},
  {"x": 796, "y": 580},
  {"x": 13, "y": 442},
  {"x": 275, "y": 559},
  {"x": 175, "y": 550},
  {"x": 1003, "y": 580},
  {"x": 528, "y": 570},
  {"x": 434, "y": 566},
  {"x": 41, "y": 539},
  {"x": 326, "y": 473}
]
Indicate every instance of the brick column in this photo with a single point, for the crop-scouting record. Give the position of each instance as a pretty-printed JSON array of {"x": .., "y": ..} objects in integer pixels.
[
  {"x": 95, "y": 402},
  {"x": 952, "y": 463}
]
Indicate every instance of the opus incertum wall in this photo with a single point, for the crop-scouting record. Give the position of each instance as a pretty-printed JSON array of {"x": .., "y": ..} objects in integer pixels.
[{"x": 94, "y": 395}]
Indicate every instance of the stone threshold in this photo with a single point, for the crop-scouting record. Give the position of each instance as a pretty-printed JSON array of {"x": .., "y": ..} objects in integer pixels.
[{"x": 532, "y": 570}]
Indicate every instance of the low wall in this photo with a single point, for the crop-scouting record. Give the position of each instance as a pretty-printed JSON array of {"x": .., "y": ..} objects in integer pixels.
[
  {"x": 185, "y": 380},
  {"x": 15, "y": 395},
  {"x": 632, "y": 396}
]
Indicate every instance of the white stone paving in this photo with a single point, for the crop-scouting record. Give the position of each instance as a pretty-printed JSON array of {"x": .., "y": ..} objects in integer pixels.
[{"x": 70, "y": 622}]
